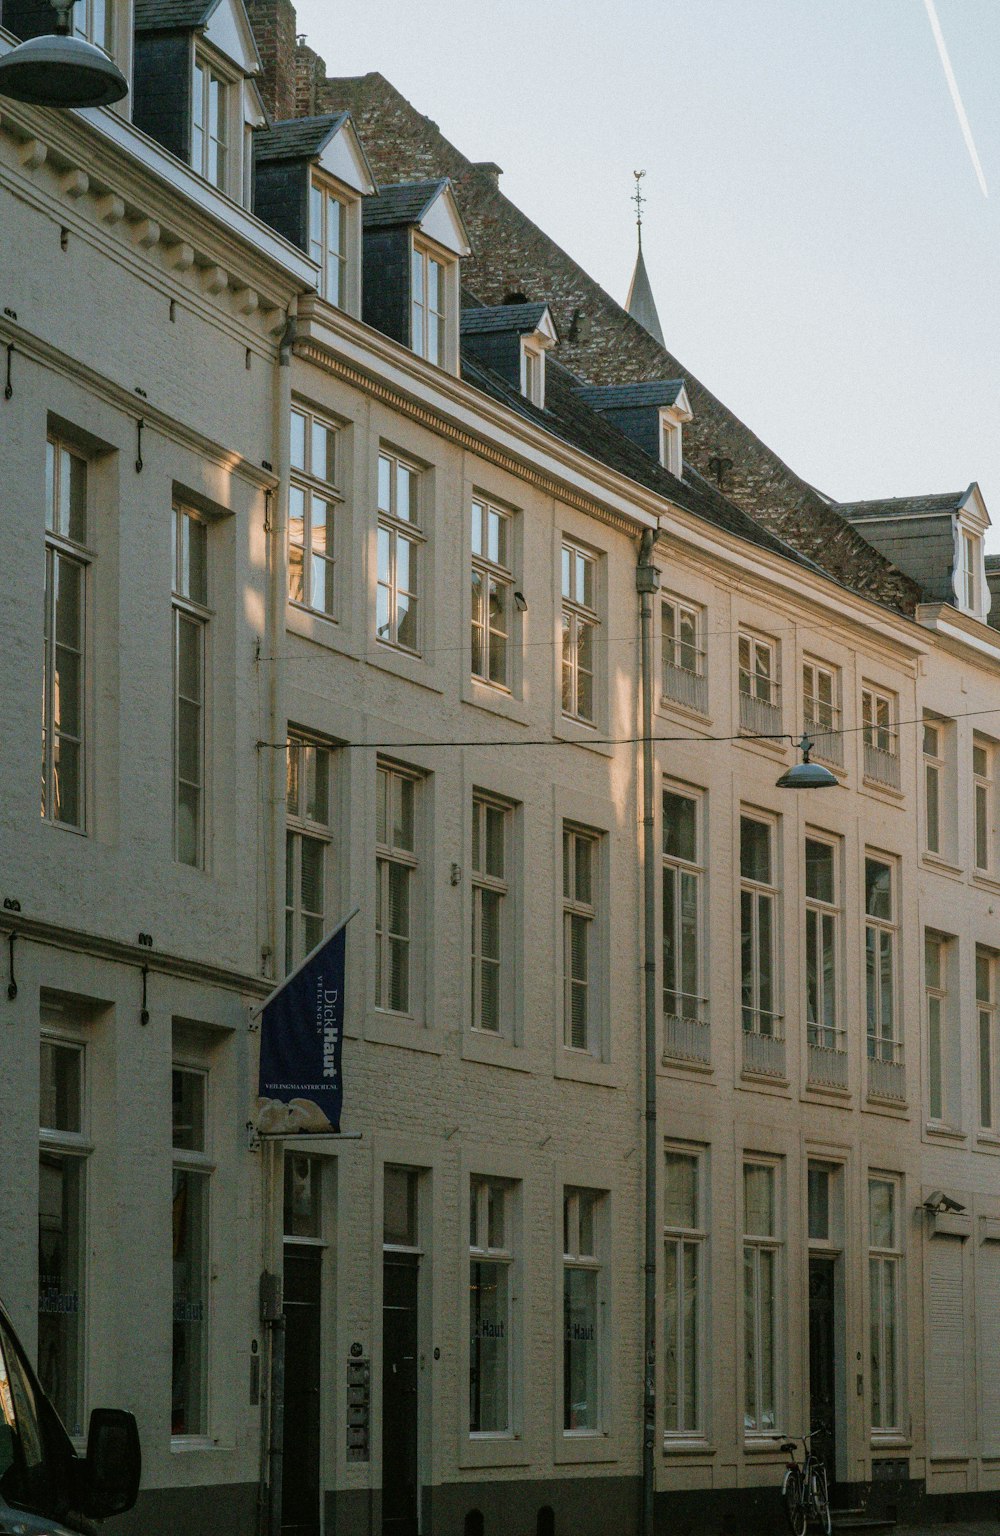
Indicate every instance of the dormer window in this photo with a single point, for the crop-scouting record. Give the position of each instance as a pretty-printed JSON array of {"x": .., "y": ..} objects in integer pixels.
[
  {"x": 209, "y": 127},
  {"x": 414, "y": 240},
  {"x": 532, "y": 373},
  {"x": 671, "y": 449},
  {"x": 328, "y": 242},
  {"x": 90, "y": 21},
  {"x": 428, "y": 305},
  {"x": 970, "y": 579}
]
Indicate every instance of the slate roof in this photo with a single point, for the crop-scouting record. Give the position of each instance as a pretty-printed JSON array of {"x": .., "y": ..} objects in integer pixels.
[
  {"x": 902, "y": 506},
  {"x": 501, "y": 317},
  {"x": 568, "y": 417},
  {"x": 405, "y": 203},
  {"x": 297, "y": 138},
  {"x": 172, "y": 15},
  {"x": 623, "y": 397}
]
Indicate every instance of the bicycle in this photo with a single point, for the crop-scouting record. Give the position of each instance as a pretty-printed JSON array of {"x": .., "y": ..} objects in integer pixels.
[{"x": 804, "y": 1491}]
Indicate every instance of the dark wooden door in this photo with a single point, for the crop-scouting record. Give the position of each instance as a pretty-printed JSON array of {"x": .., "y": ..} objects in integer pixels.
[
  {"x": 400, "y": 1490},
  {"x": 300, "y": 1476},
  {"x": 822, "y": 1358}
]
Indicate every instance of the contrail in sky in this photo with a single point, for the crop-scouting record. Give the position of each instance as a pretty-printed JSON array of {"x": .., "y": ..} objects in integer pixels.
[{"x": 949, "y": 75}]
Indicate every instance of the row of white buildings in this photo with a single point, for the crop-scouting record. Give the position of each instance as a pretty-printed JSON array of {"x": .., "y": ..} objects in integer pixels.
[{"x": 322, "y": 515}]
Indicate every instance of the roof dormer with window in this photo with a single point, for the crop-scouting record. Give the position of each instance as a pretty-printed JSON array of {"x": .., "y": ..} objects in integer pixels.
[
  {"x": 195, "y": 88},
  {"x": 937, "y": 540},
  {"x": 512, "y": 339},
  {"x": 652, "y": 414},
  {"x": 310, "y": 175},
  {"x": 413, "y": 243}
]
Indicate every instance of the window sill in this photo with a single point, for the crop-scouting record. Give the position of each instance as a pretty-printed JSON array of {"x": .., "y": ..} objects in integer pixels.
[
  {"x": 576, "y": 1445},
  {"x": 764, "y": 1445},
  {"x": 827, "y": 1091},
  {"x": 945, "y": 1133},
  {"x": 493, "y": 1050},
  {"x": 182, "y": 1444},
  {"x": 583, "y": 1068},
  {"x": 680, "y": 1447},
  {"x": 403, "y": 1030},
  {"x": 320, "y": 628},
  {"x": 941, "y": 865},
  {"x": 890, "y": 1440},
  {"x": 765, "y": 1080},
  {"x": 988, "y": 1141},
  {"x": 565, "y": 728},
  {"x": 509, "y": 1450},
  {"x": 404, "y": 664},
  {"x": 683, "y": 1065},
  {"x": 671, "y": 708},
  {"x": 889, "y": 790},
  {"x": 499, "y": 701},
  {"x": 778, "y": 749},
  {"x": 984, "y": 880},
  {"x": 897, "y": 1107}
]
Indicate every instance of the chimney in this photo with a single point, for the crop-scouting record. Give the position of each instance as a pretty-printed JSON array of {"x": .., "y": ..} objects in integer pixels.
[
  {"x": 273, "y": 23},
  {"x": 489, "y": 170}
]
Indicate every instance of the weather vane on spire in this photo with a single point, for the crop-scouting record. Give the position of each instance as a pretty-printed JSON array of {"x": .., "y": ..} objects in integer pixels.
[{"x": 638, "y": 199}]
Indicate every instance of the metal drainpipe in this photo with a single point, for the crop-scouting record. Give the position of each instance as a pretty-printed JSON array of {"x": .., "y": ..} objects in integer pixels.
[
  {"x": 276, "y": 727},
  {"x": 647, "y": 581}
]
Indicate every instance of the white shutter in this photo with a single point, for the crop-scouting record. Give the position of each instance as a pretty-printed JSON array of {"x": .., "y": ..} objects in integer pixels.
[
  {"x": 988, "y": 1313},
  {"x": 946, "y": 1349}
]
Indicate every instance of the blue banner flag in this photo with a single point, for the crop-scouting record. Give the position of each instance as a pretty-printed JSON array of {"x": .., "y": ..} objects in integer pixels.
[{"x": 301, "y": 1037}]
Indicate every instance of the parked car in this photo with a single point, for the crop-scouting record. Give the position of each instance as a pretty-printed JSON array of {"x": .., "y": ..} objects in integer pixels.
[{"x": 44, "y": 1485}]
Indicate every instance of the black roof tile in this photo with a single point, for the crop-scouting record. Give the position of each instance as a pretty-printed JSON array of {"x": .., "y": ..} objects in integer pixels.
[
  {"x": 501, "y": 317},
  {"x": 297, "y": 138},
  {"x": 619, "y": 397},
  {"x": 171, "y": 15},
  {"x": 403, "y": 204},
  {"x": 902, "y": 506}
]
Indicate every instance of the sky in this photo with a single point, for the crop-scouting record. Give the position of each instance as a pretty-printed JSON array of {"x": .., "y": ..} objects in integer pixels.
[{"x": 820, "y": 250}]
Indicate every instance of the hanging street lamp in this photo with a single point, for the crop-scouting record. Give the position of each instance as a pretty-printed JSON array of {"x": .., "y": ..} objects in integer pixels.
[
  {"x": 807, "y": 774},
  {"x": 60, "y": 70}
]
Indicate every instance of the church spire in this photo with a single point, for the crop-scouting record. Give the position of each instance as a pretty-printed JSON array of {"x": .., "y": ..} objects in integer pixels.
[{"x": 640, "y": 302}]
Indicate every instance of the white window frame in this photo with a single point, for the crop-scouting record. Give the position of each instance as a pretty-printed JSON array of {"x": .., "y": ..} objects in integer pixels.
[
  {"x": 882, "y": 1259},
  {"x": 575, "y": 1258},
  {"x": 390, "y": 855},
  {"x": 75, "y": 1145},
  {"x": 399, "y": 529},
  {"x": 935, "y": 769},
  {"x": 425, "y": 321},
  {"x": 759, "y": 683},
  {"x": 983, "y": 795},
  {"x": 882, "y": 1035},
  {"x": 684, "y": 871},
  {"x": 491, "y": 574},
  {"x": 200, "y": 1165},
  {"x": 938, "y": 1025},
  {"x": 754, "y": 1246},
  {"x": 579, "y": 619},
  {"x": 334, "y": 263},
  {"x": 671, "y": 445},
  {"x": 988, "y": 1041},
  {"x": 824, "y": 917},
  {"x": 578, "y": 911},
  {"x": 880, "y": 735},
  {"x": 683, "y": 662},
  {"x": 207, "y": 67},
  {"x": 761, "y": 1021},
  {"x": 533, "y": 372},
  {"x": 93, "y": 21},
  {"x": 313, "y": 487},
  {"x": 820, "y": 716},
  {"x": 64, "y": 549},
  {"x": 305, "y": 755},
  {"x": 485, "y": 885},
  {"x": 970, "y": 571},
  {"x": 195, "y": 613},
  {"x": 482, "y": 1189},
  {"x": 681, "y": 1239}
]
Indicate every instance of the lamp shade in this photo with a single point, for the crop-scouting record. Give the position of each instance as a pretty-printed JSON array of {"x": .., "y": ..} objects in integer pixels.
[
  {"x": 807, "y": 776},
  {"x": 60, "y": 71}
]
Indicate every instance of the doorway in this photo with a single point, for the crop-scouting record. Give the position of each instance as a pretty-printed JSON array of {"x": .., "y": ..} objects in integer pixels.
[
  {"x": 301, "y": 1443},
  {"x": 823, "y": 1357},
  {"x": 400, "y": 1483}
]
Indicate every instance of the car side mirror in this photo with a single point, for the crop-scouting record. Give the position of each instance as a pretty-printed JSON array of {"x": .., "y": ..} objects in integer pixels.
[{"x": 114, "y": 1463}]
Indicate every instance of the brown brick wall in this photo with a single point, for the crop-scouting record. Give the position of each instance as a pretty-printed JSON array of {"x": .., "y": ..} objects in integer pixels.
[{"x": 273, "y": 23}]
